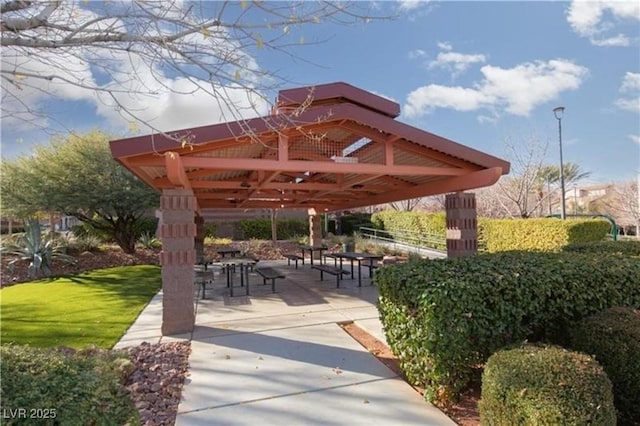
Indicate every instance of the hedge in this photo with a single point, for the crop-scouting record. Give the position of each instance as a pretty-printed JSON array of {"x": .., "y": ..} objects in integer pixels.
[
  {"x": 538, "y": 385},
  {"x": 495, "y": 235},
  {"x": 261, "y": 228},
  {"x": 548, "y": 234},
  {"x": 625, "y": 248},
  {"x": 66, "y": 387},
  {"x": 613, "y": 338},
  {"x": 444, "y": 317}
]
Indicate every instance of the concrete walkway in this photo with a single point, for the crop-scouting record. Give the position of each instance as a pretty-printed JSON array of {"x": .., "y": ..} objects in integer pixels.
[{"x": 282, "y": 359}]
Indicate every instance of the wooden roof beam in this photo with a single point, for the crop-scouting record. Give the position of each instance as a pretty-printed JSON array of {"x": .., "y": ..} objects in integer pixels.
[
  {"x": 315, "y": 166},
  {"x": 479, "y": 179},
  {"x": 176, "y": 173}
]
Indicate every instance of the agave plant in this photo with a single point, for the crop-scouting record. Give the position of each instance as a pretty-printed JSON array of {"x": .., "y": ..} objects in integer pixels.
[
  {"x": 39, "y": 251},
  {"x": 149, "y": 241}
]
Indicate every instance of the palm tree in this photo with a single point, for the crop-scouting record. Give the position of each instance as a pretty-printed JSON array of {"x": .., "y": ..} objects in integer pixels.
[
  {"x": 546, "y": 176},
  {"x": 550, "y": 175}
]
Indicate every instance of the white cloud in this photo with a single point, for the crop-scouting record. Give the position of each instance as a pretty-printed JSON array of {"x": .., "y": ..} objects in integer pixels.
[
  {"x": 635, "y": 138},
  {"x": 165, "y": 101},
  {"x": 444, "y": 45},
  {"x": 410, "y": 4},
  {"x": 458, "y": 62},
  {"x": 416, "y": 53},
  {"x": 593, "y": 19},
  {"x": 630, "y": 86},
  {"x": 629, "y": 104},
  {"x": 619, "y": 40},
  {"x": 630, "y": 82},
  {"x": 517, "y": 90}
]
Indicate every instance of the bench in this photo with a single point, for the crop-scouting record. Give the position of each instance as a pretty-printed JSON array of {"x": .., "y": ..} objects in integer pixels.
[
  {"x": 330, "y": 256},
  {"x": 331, "y": 270},
  {"x": 291, "y": 256},
  {"x": 269, "y": 274},
  {"x": 202, "y": 278}
]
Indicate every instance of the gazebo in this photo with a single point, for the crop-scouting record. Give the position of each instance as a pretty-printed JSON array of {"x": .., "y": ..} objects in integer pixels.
[{"x": 322, "y": 148}]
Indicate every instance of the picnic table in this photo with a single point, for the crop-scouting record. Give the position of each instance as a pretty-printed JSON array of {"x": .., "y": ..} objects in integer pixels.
[
  {"x": 232, "y": 252},
  {"x": 358, "y": 257},
  {"x": 311, "y": 250},
  {"x": 230, "y": 264}
]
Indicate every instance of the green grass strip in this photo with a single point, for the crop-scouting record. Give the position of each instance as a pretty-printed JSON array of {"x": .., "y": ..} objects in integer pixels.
[{"x": 93, "y": 307}]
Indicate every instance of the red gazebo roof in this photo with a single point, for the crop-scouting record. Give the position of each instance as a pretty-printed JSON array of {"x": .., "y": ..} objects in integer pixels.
[{"x": 328, "y": 147}]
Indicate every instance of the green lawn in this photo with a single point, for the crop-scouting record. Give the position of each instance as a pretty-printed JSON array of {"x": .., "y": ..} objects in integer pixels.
[{"x": 94, "y": 307}]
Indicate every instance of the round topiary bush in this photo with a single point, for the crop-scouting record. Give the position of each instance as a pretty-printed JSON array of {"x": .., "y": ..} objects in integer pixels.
[
  {"x": 613, "y": 338},
  {"x": 545, "y": 385}
]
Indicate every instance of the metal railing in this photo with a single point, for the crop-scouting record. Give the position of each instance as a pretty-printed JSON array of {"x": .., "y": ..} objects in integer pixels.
[{"x": 406, "y": 239}]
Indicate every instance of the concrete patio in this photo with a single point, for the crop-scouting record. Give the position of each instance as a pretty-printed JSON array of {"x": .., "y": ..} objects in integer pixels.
[{"x": 275, "y": 359}]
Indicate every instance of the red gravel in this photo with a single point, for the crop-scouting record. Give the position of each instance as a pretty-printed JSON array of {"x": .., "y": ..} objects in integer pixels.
[{"x": 156, "y": 383}]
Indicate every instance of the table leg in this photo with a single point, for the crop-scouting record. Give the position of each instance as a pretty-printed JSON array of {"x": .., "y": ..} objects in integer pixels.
[
  {"x": 230, "y": 280},
  {"x": 359, "y": 273},
  {"x": 246, "y": 272}
]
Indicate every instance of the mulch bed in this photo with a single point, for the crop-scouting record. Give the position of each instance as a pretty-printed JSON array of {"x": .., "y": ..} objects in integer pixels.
[
  {"x": 111, "y": 256},
  {"x": 156, "y": 383},
  {"x": 464, "y": 412},
  {"x": 108, "y": 257}
]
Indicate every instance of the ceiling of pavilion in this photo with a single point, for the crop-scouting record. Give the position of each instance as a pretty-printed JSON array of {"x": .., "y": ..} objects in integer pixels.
[{"x": 329, "y": 147}]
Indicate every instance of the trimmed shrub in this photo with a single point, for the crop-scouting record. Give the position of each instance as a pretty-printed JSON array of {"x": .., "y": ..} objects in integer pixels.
[
  {"x": 260, "y": 229},
  {"x": 350, "y": 223},
  {"x": 83, "y": 388},
  {"x": 444, "y": 317},
  {"x": 411, "y": 227},
  {"x": 210, "y": 230},
  {"x": 625, "y": 248},
  {"x": 536, "y": 385},
  {"x": 496, "y": 235},
  {"x": 613, "y": 338},
  {"x": 548, "y": 234}
]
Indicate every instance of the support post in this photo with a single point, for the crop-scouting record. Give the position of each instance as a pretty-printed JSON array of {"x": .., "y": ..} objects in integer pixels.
[
  {"x": 462, "y": 227},
  {"x": 315, "y": 232},
  {"x": 177, "y": 258},
  {"x": 199, "y": 238}
]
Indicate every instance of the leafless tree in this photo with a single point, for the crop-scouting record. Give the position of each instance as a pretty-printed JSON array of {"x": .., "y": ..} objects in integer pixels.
[
  {"x": 625, "y": 204},
  {"x": 406, "y": 205},
  {"x": 129, "y": 57},
  {"x": 491, "y": 202},
  {"x": 531, "y": 184},
  {"x": 519, "y": 189}
]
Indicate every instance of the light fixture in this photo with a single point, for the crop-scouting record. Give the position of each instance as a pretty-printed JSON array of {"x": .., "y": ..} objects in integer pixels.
[{"x": 559, "y": 113}]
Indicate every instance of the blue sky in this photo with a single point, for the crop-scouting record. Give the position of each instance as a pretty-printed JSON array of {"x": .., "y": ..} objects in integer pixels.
[{"x": 479, "y": 73}]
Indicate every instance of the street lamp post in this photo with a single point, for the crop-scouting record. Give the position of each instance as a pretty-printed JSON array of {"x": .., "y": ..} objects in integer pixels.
[{"x": 559, "y": 112}]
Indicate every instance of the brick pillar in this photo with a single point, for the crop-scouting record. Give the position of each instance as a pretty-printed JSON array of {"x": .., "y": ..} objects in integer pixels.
[
  {"x": 315, "y": 231},
  {"x": 177, "y": 258},
  {"x": 199, "y": 238},
  {"x": 462, "y": 228}
]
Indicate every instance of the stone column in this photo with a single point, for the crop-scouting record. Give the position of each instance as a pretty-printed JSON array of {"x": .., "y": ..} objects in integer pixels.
[
  {"x": 199, "y": 239},
  {"x": 315, "y": 231},
  {"x": 462, "y": 227},
  {"x": 177, "y": 258}
]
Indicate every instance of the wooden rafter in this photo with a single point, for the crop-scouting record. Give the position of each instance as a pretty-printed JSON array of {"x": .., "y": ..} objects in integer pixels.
[{"x": 283, "y": 160}]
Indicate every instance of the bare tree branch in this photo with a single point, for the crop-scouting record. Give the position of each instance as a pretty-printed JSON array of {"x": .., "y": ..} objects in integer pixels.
[{"x": 125, "y": 56}]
